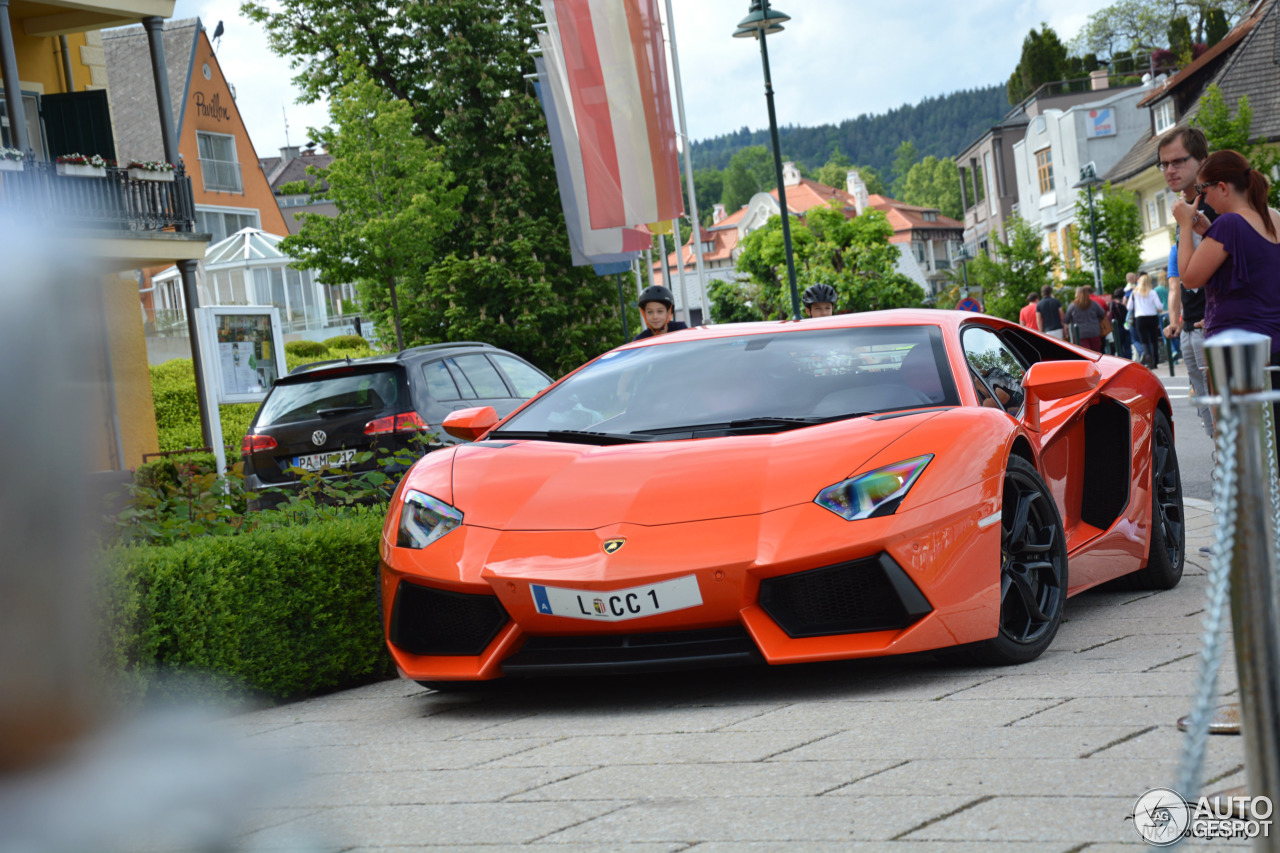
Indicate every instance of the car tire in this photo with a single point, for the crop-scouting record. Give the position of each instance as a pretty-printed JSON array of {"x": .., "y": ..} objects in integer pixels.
[
  {"x": 1167, "y": 550},
  {"x": 1033, "y": 570}
]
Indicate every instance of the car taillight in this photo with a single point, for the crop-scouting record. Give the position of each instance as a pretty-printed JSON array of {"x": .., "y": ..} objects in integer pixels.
[
  {"x": 254, "y": 443},
  {"x": 403, "y": 422}
]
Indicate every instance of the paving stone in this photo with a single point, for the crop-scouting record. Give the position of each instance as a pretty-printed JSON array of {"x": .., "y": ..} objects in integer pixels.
[
  {"x": 864, "y": 715},
  {"x": 675, "y": 748},
  {"x": 617, "y": 721},
  {"x": 405, "y": 787},
  {"x": 413, "y": 755},
  {"x": 997, "y": 745}
]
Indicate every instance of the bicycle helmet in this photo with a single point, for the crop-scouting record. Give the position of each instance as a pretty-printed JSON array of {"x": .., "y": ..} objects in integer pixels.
[
  {"x": 657, "y": 293},
  {"x": 815, "y": 293}
]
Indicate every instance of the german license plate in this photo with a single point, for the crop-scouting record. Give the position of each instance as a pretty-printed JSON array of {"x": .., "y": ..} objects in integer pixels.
[
  {"x": 616, "y": 605},
  {"x": 332, "y": 459}
]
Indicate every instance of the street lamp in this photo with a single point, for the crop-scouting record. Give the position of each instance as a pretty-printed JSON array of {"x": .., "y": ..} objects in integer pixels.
[
  {"x": 963, "y": 257},
  {"x": 760, "y": 22},
  {"x": 1089, "y": 177}
]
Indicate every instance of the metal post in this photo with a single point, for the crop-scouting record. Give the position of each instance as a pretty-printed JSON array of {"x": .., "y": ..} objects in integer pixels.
[
  {"x": 684, "y": 291},
  {"x": 1093, "y": 234},
  {"x": 777, "y": 168},
  {"x": 191, "y": 296},
  {"x": 160, "y": 74},
  {"x": 12, "y": 90},
  {"x": 688, "y": 171},
  {"x": 66, "y": 63},
  {"x": 622, "y": 311},
  {"x": 1238, "y": 366},
  {"x": 666, "y": 267}
]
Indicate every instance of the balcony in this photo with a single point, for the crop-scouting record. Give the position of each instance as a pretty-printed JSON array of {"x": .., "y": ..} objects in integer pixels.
[{"x": 113, "y": 202}]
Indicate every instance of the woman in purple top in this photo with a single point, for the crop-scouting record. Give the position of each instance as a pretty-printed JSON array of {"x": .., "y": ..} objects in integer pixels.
[{"x": 1238, "y": 261}]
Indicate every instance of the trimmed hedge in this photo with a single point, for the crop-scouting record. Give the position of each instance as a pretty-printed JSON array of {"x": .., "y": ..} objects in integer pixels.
[
  {"x": 284, "y": 612},
  {"x": 346, "y": 342},
  {"x": 310, "y": 349},
  {"x": 173, "y": 388}
]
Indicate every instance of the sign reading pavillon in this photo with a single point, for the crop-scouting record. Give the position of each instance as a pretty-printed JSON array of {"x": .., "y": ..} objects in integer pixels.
[{"x": 211, "y": 108}]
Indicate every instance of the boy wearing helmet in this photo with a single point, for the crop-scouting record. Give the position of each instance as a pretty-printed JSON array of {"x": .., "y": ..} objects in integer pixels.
[
  {"x": 819, "y": 300},
  {"x": 657, "y": 307}
]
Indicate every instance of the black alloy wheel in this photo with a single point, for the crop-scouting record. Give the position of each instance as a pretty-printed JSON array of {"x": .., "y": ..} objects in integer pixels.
[
  {"x": 1167, "y": 550},
  {"x": 1033, "y": 569}
]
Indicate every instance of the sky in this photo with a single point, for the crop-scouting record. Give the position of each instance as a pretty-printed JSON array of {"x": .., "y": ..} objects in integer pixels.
[{"x": 837, "y": 59}]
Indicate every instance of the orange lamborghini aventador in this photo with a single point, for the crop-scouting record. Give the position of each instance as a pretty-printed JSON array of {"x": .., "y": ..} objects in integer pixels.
[{"x": 866, "y": 484}]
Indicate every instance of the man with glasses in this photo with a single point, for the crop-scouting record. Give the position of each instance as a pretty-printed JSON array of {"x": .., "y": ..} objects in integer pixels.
[{"x": 1181, "y": 152}]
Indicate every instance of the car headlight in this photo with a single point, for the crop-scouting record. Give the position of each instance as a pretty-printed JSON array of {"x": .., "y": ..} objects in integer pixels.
[
  {"x": 875, "y": 493},
  {"x": 423, "y": 520}
]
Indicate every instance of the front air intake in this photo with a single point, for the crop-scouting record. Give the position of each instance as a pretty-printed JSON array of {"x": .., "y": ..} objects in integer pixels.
[
  {"x": 872, "y": 594},
  {"x": 429, "y": 621}
]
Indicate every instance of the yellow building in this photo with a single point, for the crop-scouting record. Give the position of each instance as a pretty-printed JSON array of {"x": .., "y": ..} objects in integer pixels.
[{"x": 55, "y": 104}]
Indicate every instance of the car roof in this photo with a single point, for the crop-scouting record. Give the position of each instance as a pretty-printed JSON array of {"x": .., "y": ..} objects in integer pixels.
[
  {"x": 405, "y": 355},
  {"x": 861, "y": 319}
]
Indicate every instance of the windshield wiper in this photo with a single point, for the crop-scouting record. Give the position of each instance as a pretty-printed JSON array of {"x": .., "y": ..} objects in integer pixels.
[
  {"x": 740, "y": 426},
  {"x": 575, "y": 436},
  {"x": 342, "y": 410}
]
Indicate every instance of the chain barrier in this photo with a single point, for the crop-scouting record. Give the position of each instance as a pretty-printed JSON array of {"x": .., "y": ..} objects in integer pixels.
[{"x": 1224, "y": 511}]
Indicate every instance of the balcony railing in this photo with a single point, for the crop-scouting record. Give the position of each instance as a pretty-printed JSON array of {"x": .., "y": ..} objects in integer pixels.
[
  {"x": 114, "y": 201},
  {"x": 221, "y": 176}
]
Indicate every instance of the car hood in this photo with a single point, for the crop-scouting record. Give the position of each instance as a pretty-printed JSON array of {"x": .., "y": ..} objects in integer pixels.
[{"x": 543, "y": 485}]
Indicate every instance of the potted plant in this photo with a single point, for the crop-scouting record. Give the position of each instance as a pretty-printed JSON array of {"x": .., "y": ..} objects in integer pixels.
[
  {"x": 11, "y": 160},
  {"x": 150, "y": 170},
  {"x": 82, "y": 165}
]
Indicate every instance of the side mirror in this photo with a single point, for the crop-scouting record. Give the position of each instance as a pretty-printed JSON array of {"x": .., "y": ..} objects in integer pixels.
[
  {"x": 1053, "y": 380},
  {"x": 470, "y": 424}
]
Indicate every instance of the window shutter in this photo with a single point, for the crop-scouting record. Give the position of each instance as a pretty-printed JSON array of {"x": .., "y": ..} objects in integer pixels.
[{"x": 78, "y": 123}]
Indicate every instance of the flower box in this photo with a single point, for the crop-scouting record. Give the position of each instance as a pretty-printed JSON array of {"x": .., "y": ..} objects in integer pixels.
[
  {"x": 10, "y": 165},
  {"x": 148, "y": 175},
  {"x": 76, "y": 170}
]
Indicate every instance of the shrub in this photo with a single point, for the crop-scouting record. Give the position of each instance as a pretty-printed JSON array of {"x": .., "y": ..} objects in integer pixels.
[
  {"x": 346, "y": 342},
  {"x": 284, "y": 612},
  {"x": 309, "y": 349},
  {"x": 173, "y": 389}
]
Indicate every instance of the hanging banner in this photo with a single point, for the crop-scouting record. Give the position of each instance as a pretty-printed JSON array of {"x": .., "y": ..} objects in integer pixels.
[
  {"x": 615, "y": 69},
  {"x": 586, "y": 244}
]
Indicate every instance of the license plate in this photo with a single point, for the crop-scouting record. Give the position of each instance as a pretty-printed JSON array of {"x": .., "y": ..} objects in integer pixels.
[
  {"x": 332, "y": 459},
  {"x": 616, "y": 605}
]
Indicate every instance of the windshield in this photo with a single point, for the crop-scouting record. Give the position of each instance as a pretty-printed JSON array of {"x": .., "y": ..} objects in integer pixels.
[
  {"x": 329, "y": 395},
  {"x": 803, "y": 376}
]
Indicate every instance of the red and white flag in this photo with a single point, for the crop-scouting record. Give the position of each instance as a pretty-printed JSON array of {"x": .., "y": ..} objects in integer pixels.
[{"x": 616, "y": 72}]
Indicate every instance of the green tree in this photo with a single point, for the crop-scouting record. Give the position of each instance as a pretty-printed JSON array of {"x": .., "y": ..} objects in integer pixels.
[
  {"x": 852, "y": 255},
  {"x": 735, "y": 301},
  {"x": 835, "y": 172},
  {"x": 394, "y": 200},
  {"x": 709, "y": 185},
  {"x": 1118, "y": 231},
  {"x": 1225, "y": 131},
  {"x": 934, "y": 183},
  {"x": 750, "y": 171},
  {"x": 1126, "y": 26},
  {"x": 904, "y": 158},
  {"x": 1020, "y": 266},
  {"x": 1044, "y": 60},
  {"x": 504, "y": 273},
  {"x": 1180, "y": 39},
  {"x": 1215, "y": 26}
]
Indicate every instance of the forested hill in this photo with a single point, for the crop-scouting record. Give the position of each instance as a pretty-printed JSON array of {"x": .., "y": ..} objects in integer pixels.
[{"x": 939, "y": 126}]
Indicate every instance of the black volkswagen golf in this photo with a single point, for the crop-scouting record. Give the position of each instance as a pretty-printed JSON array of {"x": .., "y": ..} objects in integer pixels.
[{"x": 325, "y": 414}]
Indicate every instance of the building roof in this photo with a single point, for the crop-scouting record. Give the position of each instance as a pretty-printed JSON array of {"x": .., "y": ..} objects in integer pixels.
[
  {"x": 1238, "y": 32},
  {"x": 905, "y": 218},
  {"x": 809, "y": 194},
  {"x": 280, "y": 171},
  {"x": 131, "y": 90}
]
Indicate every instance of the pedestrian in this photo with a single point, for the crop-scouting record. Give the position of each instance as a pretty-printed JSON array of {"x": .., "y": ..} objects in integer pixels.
[
  {"x": 1027, "y": 316},
  {"x": 1119, "y": 316},
  {"x": 1049, "y": 313},
  {"x": 1131, "y": 281},
  {"x": 657, "y": 308},
  {"x": 1238, "y": 259},
  {"x": 1162, "y": 291},
  {"x": 1181, "y": 153},
  {"x": 1089, "y": 318},
  {"x": 1145, "y": 307},
  {"x": 819, "y": 300}
]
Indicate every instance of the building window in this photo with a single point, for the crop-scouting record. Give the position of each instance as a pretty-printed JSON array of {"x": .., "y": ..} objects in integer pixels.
[
  {"x": 222, "y": 223},
  {"x": 991, "y": 178},
  {"x": 1044, "y": 170},
  {"x": 218, "y": 162},
  {"x": 978, "y": 192},
  {"x": 1071, "y": 246},
  {"x": 929, "y": 216},
  {"x": 35, "y": 131},
  {"x": 1164, "y": 116},
  {"x": 1053, "y": 250}
]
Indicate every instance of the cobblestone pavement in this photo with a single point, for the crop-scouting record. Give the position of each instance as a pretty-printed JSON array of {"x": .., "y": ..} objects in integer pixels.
[{"x": 909, "y": 753}]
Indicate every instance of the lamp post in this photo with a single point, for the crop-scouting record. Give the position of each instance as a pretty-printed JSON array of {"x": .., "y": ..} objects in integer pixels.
[
  {"x": 760, "y": 22},
  {"x": 1089, "y": 177}
]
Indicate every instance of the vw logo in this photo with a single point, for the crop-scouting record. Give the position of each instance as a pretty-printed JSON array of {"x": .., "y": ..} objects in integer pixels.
[{"x": 318, "y": 438}]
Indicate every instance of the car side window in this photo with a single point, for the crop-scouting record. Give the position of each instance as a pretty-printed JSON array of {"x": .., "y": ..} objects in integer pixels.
[
  {"x": 440, "y": 384},
  {"x": 468, "y": 393},
  {"x": 482, "y": 375},
  {"x": 525, "y": 379},
  {"x": 996, "y": 367}
]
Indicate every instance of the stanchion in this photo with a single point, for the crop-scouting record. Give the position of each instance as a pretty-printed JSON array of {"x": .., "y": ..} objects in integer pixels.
[{"x": 1238, "y": 369}]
